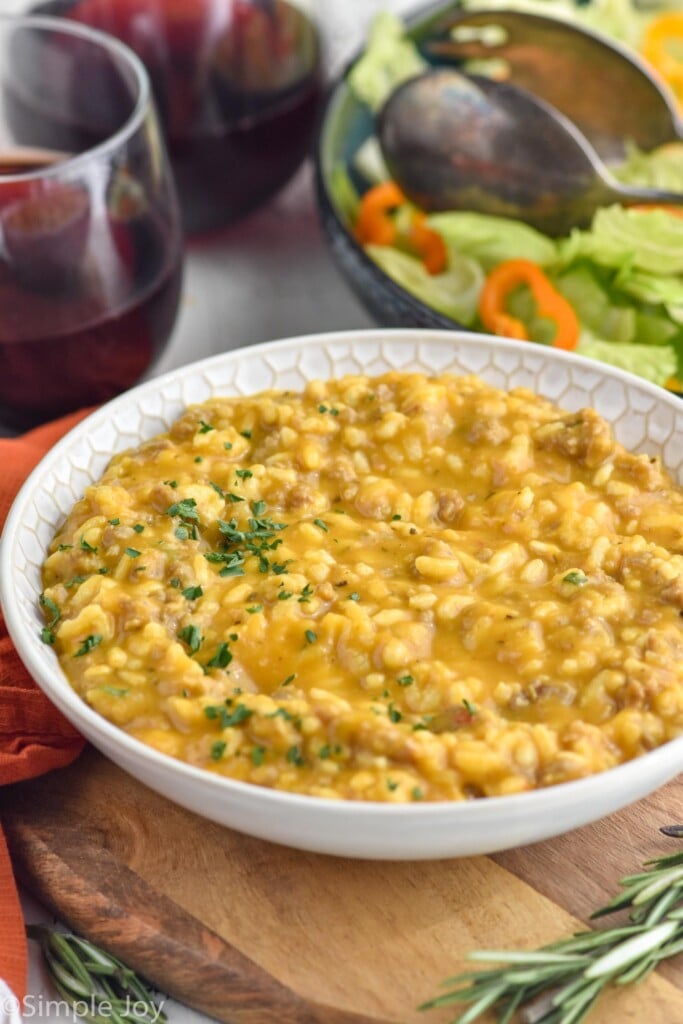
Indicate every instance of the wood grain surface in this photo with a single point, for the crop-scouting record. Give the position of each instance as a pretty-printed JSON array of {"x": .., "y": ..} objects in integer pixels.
[{"x": 254, "y": 933}]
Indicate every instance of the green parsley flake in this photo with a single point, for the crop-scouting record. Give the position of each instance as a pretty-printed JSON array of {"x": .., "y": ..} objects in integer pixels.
[
  {"x": 324, "y": 752},
  {"x": 198, "y": 458},
  {"x": 234, "y": 498},
  {"x": 355, "y": 596},
  {"x": 469, "y": 708},
  {"x": 186, "y": 509},
  {"x": 416, "y": 793},
  {"x": 192, "y": 593},
  {"x": 221, "y": 658},
  {"x": 243, "y": 474},
  {"x": 218, "y": 749},
  {"x": 115, "y": 691},
  {"x": 227, "y": 718},
  {"x": 322, "y": 525},
  {"x": 47, "y": 636},
  {"x": 217, "y": 488},
  {"x": 75, "y": 581},
  {"x": 405, "y": 680},
  {"x": 392, "y": 785},
  {"x": 204, "y": 428},
  {"x": 306, "y": 594},
  {"x": 284, "y": 595},
  {"x": 175, "y": 582},
  {"x": 394, "y": 714},
  {"x": 138, "y": 527},
  {"x": 395, "y": 518},
  {"x": 65, "y": 547},
  {"x": 90, "y": 642},
  {"x": 87, "y": 547},
  {"x": 289, "y": 679},
  {"x": 191, "y": 636},
  {"x": 294, "y": 756},
  {"x": 171, "y": 483},
  {"x": 576, "y": 578},
  {"x": 255, "y": 608},
  {"x": 258, "y": 507},
  {"x": 246, "y": 433},
  {"x": 48, "y": 603},
  {"x": 311, "y": 637},
  {"x": 258, "y": 755},
  {"x": 132, "y": 552},
  {"x": 227, "y": 445},
  {"x": 114, "y": 522}
]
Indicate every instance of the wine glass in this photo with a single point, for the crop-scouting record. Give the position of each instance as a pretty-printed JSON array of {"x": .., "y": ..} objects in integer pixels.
[
  {"x": 237, "y": 83},
  {"x": 90, "y": 240}
]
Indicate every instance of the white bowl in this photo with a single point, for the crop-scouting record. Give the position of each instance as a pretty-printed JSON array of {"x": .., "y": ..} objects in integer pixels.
[{"x": 644, "y": 417}]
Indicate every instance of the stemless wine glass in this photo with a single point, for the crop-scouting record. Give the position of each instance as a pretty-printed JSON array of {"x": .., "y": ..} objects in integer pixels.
[
  {"x": 90, "y": 242},
  {"x": 237, "y": 83}
]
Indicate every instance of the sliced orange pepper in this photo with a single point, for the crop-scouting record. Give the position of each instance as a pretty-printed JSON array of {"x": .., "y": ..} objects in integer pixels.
[
  {"x": 661, "y": 40},
  {"x": 428, "y": 244},
  {"x": 503, "y": 280},
  {"x": 677, "y": 211},
  {"x": 374, "y": 225}
]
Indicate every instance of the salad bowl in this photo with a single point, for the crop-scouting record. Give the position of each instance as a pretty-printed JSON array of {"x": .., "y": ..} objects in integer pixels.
[
  {"x": 592, "y": 267},
  {"x": 644, "y": 419}
]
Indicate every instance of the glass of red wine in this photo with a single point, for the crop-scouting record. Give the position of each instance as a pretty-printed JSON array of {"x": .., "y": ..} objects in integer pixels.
[
  {"x": 90, "y": 239},
  {"x": 237, "y": 84}
]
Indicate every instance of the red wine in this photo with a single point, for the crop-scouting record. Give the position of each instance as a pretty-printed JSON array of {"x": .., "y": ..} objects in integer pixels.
[
  {"x": 237, "y": 83},
  {"x": 88, "y": 296}
]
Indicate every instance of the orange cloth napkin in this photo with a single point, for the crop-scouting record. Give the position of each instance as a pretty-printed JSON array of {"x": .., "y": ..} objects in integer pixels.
[{"x": 34, "y": 737}]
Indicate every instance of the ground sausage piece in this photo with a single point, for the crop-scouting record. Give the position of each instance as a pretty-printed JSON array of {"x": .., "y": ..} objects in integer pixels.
[{"x": 583, "y": 436}]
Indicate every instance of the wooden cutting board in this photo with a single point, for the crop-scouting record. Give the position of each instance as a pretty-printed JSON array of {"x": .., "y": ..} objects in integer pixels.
[{"x": 253, "y": 933}]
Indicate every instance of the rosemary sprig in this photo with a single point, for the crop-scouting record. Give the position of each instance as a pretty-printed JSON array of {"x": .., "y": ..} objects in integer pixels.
[
  {"x": 97, "y": 986},
  {"x": 561, "y": 982}
]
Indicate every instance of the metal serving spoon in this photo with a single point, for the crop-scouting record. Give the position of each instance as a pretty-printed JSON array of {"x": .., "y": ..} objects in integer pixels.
[
  {"x": 457, "y": 142},
  {"x": 606, "y": 90}
]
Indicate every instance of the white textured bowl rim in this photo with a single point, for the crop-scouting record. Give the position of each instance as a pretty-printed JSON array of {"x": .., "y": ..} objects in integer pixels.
[{"x": 667, "y": 759}]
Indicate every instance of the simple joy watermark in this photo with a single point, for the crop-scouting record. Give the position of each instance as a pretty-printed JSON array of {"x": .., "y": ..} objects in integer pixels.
[{"x": 35, "y": 1007}]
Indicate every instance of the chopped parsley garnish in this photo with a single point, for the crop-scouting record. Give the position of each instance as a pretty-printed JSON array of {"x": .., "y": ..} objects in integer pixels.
[
  {"x": 218, "y": 749},
  {"x": 575, "y": 577},
  {"x": 115, "y": 691},
  {"x": 133, "y": 552},
  {"x": 289, "y": 679},
  {"x": 75, "y": 581},
  {"x": 394, "y": 714},
  {"x": 48, "y": 603},
  {"x": 221, "y": 658},
  {"x": 90, "y": 642},
  {"x": 217, "y": 488},
  {"x": 175, "y": 582},
  {"x": 405, "y": 680},
  {"x": 280, "y": 567},
  {"x": 395, "y": 518},
  {"x": 294, "y": 756},
  {"x": 192, "y": 593},
  {"x": 46, "y": 635},
  {"x": 191, "y": 636},
  {"x": 138, "y": 527},
  {"x": 416, "y": 793},
  {"x": 114, "y": 522},
  {"x": 355, "y": 596},
  {"x": 322, "y": 525},
  {"x": 392, "y": 785},
  {"x": 255, "y": 608},
  {"x": 258, "y": 755},
  {"x": 226, "y": 717},
  {"x": 243, "y": 474},
  {"x": 469, "y": 708},
  {"x": 227, "y": 445},
  {"x": 324, "y": 752},
  {"x": 284, "y": 595},
  {"x": 204, "y": 427},
  {"x": 281, "y": 713},
  {"x": 246, "y": 433},
  {"x": 322, "y": 408},
  {"x": 186, "y": 509},
  {"x": 234, "y": 498},
  {"x": 198, "y": 458},
  {"x": 103, "y": 570},
  {"x": 87, "y": 547},
  {"x": 311, "y": 637},
  {"x": 65, "y": 547},
  {"x": 171, "y": 483},
  {"x": 306, "y": 594},
  {"x": 258, "y": 507}
]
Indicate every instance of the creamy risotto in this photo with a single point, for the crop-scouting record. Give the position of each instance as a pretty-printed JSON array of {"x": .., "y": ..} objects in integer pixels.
[{"x": 398, "y": 589}]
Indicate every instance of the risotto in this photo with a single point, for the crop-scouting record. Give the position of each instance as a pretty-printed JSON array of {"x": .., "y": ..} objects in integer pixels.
[{"x": 398, "y": 588}]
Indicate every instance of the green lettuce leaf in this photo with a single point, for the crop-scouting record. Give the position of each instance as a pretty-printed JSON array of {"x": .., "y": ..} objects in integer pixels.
[
  {"x": 656, "y": 363},
  {"x": 389, "y": 59},
  {"x": 595, "y": 307},
  {"x": 454, "y": 293},
  {"x": 492, "y": 240},
  {"x": 629, "y": 240},
  {"x": 661, "y": 168}
]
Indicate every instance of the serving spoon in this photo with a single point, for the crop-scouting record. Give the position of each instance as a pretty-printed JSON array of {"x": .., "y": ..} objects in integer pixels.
[
  {"x": 605, "y": 89},
  {"x": 453, "y": 141}
]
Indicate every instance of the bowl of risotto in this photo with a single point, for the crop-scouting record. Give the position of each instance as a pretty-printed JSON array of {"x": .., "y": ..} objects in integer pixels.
[{"x": 390, "y": 594}]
